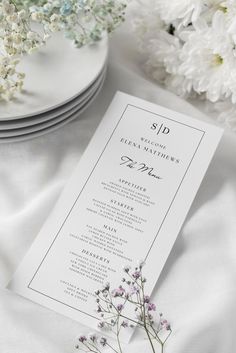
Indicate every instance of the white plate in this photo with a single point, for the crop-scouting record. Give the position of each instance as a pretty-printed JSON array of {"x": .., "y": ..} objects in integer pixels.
[
  {"x": 55, "y": 75},
  {"x": 53, "y": 127},
  {"x": 37, "y": 119},
  {"x": 48, "y": 123}
]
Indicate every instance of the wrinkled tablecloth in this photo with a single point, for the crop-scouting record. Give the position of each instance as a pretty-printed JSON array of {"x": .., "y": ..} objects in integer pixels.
[{"x": 197, "y": 288}]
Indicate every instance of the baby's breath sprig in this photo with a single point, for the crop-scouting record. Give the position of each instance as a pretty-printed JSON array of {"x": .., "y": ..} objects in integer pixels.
[
  {"x": 112, "y": 305},
  {"x": 16, "y": 38},
  {"x": 11, "y": 81},
  {"x": 82, "y": 21}
]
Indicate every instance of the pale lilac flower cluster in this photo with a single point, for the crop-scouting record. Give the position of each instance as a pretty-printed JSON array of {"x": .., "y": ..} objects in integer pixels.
[
  {"x": 91, "y": 343},
  {"x": 127, "y": 307}
]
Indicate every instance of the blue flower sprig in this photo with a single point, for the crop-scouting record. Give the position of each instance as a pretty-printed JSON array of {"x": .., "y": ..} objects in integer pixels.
[{"x": 82, "y": 21}]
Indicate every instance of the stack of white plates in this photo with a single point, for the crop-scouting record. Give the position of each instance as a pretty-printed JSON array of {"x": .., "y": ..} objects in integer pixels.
[{"x": 61, "y": 82}]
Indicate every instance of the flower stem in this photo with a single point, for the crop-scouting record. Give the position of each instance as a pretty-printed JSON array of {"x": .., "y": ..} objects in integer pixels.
[
  {"x": 146, "y": 329},
  {"x": 162, "y": 347},
  {"x": 118, "y": 333},
  {"x": 112, "y": 348}
]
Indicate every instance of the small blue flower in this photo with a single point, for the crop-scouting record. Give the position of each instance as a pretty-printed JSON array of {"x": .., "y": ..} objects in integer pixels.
[
  {"x": 46, "y": 8},
  {"x": 66, "y": 8},
  {"x": 82, "y": 3}
]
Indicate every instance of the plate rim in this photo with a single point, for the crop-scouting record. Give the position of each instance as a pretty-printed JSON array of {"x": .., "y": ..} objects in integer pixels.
[
  {"x": 41, "y": 111},
  {"x": 54, "y": 127},
  {"x": 36, "y": 120},
  {"x": 46, "y": 124}
]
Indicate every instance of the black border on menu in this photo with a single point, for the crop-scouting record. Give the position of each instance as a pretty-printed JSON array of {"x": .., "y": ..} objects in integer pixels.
[{"x": 67, "y": 216}]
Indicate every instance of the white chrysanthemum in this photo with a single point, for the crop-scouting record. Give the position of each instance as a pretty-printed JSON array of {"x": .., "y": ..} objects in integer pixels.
[
  {"x": 190, "y": 46},
  {"x": 226, "y": 114},
  {"x": 209, "y": 59},
  {"x": 229, "y": 7},
  {"x": 210, "y": 7},
  {"x": 146, "y": 23},
  {"x": 185, "y": 10},
  {"x": 180, "y": 85},
  {"x": 147, "y": 26},
  {"x": 164, "y": 58}
]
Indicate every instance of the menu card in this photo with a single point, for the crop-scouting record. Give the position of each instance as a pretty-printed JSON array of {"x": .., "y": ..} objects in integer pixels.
[{"x": 125, "y": 202}]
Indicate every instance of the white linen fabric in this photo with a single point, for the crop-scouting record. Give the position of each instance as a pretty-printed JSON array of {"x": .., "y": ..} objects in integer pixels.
[{"x": 197, "y": 288}]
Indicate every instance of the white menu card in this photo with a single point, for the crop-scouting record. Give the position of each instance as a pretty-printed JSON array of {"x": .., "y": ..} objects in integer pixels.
[{"x": 125, "y": 202}]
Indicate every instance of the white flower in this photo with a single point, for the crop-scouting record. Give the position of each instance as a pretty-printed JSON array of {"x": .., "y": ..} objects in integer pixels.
[
  {"x": 209, "y": 59},
  {"x": 147, "y": 22},
  {"x": 210, "y": 7},
  {"x": 32, "y": 35},
  {"x": 16, "y": 39},
  {"x": 165, "y": 49},
  {"x": 227, "y": 114},
  {"x": 22, "y": 14},
  {"x": 180, "y": 85},
  {"x": 148, "y": 27},
  {"x": 55, "y": 18},
  {"x": 190, "y": 46},
  {"x": 37, "y": 16},
  {"x": 7, "y": 7},
  {"x": 185, "y": 10}
]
